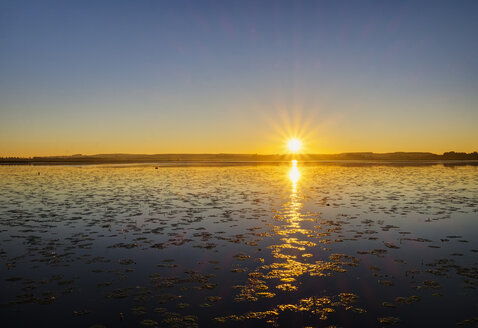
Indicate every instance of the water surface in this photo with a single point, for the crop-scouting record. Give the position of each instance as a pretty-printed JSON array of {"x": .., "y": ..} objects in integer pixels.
[{"x": 246, "y": 246}]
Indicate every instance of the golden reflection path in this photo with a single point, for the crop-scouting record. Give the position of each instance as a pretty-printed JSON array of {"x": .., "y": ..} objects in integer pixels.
[{"x": 300, "y": 235}]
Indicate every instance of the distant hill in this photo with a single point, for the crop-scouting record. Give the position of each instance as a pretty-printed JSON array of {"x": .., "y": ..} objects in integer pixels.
[{"x": 223, "y": 158}]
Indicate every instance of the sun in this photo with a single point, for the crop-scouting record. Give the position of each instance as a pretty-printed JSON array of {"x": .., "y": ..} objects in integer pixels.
[{"x": 294, "y": 145}]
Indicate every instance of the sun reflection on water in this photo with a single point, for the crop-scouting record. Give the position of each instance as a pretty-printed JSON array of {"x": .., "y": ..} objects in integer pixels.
[
  {"x": 294, "y": 205},
  {"x": 296, "y": 257},
  {"x": 294, "y": 175}
]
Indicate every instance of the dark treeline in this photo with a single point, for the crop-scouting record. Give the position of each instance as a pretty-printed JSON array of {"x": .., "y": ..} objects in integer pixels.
[
  {"x": 453, "y": 155},
  {"x": 139, "y": 158}
]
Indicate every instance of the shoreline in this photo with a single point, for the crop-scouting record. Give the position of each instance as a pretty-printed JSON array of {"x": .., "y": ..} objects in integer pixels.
[{"x": 185, "y": 163}]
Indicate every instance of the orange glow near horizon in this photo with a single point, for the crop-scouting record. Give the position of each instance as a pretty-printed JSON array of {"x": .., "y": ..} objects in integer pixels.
[{"x": 269, "y": 134}]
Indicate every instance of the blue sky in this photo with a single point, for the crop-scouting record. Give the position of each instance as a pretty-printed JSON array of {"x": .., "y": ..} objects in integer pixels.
[{"x": 237, "y": 76}]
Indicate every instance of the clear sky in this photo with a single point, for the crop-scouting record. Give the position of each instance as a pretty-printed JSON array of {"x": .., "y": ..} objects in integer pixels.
[{"x": 237, "y": 76}]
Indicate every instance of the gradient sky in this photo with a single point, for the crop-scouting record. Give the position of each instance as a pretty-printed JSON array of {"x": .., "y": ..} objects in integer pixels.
[{"x": 237, "y": 76}]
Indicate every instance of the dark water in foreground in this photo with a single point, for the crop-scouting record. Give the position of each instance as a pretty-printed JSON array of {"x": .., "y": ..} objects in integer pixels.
[{"x": 312, "y": 246}]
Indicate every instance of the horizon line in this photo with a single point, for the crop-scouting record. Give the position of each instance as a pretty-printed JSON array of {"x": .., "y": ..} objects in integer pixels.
[{"x": 243, "y": 154}]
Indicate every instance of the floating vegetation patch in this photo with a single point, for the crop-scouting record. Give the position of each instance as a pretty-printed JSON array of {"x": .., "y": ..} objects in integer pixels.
[
  {"x": 388, "y": 320},
  {"x": 319, "y": 307}
]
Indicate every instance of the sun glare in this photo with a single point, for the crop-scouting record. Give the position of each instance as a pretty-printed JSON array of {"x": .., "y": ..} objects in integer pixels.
[{"x": 294, "y": 145}]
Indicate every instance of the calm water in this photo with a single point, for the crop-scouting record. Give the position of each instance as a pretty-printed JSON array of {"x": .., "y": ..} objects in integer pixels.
[{"x": 251, "y": 246}]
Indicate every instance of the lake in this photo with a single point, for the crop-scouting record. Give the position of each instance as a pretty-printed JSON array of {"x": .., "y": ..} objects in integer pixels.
[{"x": 293, "y": 245}]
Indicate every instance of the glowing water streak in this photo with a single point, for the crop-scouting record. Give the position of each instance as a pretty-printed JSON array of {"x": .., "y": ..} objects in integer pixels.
[{"x": 294, "y": 176}]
